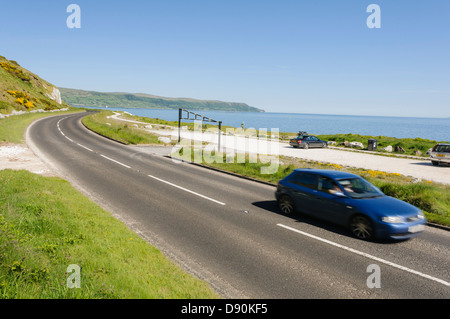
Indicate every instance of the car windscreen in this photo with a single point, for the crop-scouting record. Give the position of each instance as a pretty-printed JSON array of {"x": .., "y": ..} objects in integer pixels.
[{"x": 359, "y": 188}]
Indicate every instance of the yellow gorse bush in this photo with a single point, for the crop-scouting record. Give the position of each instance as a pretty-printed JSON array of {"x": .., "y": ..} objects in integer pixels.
[
  {"x": 22, "y": 98},
  {"x": 13, "y": 70},
  {"x": 379, "y": 174}
]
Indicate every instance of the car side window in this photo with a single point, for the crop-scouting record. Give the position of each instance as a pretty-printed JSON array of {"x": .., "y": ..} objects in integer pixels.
[
  {"x": 305, "y": 179},
  {"x": 327, "y": 185},
  {"x": 314, "y": 138}
]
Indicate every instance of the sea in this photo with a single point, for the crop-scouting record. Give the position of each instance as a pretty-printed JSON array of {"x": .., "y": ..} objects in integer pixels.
[{"x": 436, "y": 129}]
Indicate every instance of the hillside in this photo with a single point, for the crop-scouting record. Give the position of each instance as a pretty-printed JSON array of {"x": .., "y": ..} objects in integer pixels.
[
  {"x": 138, "y": 100},
  {"x": 22, "y": 90}
]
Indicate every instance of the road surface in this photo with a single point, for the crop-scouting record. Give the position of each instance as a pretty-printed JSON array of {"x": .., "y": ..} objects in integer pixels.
[{"x": 229, "y": 232}]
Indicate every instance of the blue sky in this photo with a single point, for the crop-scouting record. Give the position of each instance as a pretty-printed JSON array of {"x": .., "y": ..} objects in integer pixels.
[{"x": 312, "y": 56}]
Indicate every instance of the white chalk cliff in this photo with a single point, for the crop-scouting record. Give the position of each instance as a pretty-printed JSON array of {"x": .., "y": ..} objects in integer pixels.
[{"x": 55, "y": 96}]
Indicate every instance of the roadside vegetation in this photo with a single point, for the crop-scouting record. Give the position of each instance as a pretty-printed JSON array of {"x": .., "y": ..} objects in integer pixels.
[
  {"x": 433, "y": 198},
  {"x": 46, "y": 226},
  {"x": 22, "y": 90},
  {"x": 127, "y": 133},
  {"x": 406, "y": 146}
]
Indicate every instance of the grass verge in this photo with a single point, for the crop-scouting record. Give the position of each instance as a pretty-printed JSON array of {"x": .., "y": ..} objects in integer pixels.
[
  {"x": 46, "y": 225},
  {"x": 127, "y": 133}
]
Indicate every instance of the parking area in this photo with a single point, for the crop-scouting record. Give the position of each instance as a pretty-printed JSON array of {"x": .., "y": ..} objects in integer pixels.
[{"x": 417, "y": 168}]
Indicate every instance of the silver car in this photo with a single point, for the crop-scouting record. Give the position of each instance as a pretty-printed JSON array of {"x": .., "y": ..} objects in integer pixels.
[{"x": 440, "y": 154}]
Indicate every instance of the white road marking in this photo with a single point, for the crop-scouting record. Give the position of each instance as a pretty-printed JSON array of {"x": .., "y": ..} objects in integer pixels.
[
  {"x": 187, "y": 190},
  {"x": 124, "y": 165},
  {"x": 87, "y": 148},
  {"x": 59, "y": 129},
  {"x": 113, "y": 160},
  {"x": 367, "y": 255}
]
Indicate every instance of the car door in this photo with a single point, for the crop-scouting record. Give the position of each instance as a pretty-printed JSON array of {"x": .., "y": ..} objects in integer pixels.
[
  {"x": 315, "y": 142},
  {"x": 303, "y": 187},
  {"x": 330, "y": 202}
]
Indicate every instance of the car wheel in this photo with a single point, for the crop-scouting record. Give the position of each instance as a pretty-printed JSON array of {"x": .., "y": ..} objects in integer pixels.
[
  {"x": 324, "y": 145},
  {"x": 286, "y": 204},
  {"x": 435, "y": 163},
  {"x": 361, "y": 227},
  {"x": 306, "y": 146}
]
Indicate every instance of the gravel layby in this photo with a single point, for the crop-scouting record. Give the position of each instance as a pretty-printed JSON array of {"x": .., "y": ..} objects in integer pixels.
[{"x": 20, "y": 157}]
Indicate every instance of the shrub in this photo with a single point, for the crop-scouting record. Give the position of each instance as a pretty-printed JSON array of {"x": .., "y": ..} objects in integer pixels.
[{"x": 13, "y": 70}]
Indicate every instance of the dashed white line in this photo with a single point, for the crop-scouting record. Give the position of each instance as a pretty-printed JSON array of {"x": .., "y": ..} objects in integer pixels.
[
  {"x": 367, "y": 255},
  {"x": 187, "y": 190},
  {"x": 87, "y": 148},
  {"x": 124, "y": 165},
  {"x": 113, "y": 160}
]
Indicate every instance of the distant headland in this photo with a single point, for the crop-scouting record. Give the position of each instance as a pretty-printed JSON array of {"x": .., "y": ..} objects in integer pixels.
[{"x": 77, "y": 97}]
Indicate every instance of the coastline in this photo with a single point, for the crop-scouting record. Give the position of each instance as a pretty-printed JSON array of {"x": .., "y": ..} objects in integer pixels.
[{"x": 316, "y": 124}]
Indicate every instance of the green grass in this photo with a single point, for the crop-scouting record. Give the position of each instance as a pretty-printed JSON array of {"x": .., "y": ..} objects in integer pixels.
[
  {"x": 46, "y": 225},
  {"x": 411, "y": 146}
]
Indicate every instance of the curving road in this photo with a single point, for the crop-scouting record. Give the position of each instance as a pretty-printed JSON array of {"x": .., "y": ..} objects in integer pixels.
[{"x": 228, "y": 231}]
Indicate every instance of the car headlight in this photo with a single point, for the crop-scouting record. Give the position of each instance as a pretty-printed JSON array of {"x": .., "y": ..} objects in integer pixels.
[
  {"x": 392, "y": 219},
  {"x": 420, "y": 215}
]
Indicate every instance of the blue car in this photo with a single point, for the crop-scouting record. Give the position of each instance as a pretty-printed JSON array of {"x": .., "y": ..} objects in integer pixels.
[{"x": 351, "y": 201}]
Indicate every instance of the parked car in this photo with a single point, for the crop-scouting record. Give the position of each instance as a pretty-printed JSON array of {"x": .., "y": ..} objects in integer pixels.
[
  {"x": 304, "y": 140},
  {"x": 440, "y": 154},
  {"x": 351, "y": 201}
]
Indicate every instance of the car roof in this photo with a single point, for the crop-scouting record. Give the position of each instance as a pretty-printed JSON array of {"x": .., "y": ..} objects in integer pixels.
[{"x": 327, "y": 173}]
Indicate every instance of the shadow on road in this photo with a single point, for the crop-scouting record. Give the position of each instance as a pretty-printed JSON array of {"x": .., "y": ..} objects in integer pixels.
[
  {"x": 429, "y": 164},
  {"x": 271, "y": 206}
]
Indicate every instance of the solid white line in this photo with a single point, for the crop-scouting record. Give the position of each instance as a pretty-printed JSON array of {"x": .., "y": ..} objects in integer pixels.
[
  {"x": 112, "y": 160},
  {"x": 367, "y": 255},
  {"x": 187, "y": 190},
  {"x": 84, "y": 147}
]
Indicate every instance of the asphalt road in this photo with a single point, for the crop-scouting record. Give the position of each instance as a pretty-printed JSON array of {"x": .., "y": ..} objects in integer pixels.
[{"x": 229, "y": 232}]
